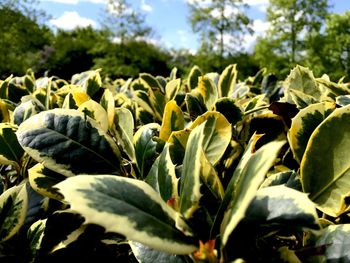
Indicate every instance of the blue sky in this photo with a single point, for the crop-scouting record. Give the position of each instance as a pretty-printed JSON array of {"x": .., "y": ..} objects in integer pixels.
[{"x": 169, "y": 18}]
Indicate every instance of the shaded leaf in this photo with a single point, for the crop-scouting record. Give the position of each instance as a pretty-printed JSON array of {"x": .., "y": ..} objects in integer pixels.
[
  {"x": 193, "y": 76},
  {"x": 68, "y": 142},
  {"x": 228, "y": 108},
  {"x": 13, "y": 210},
  {"x": 131, "y": 208}
]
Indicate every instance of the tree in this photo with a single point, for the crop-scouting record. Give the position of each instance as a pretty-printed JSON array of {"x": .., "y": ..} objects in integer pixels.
[
  {"x": 124, "y": 22},
  {"x": 331, "y": 50},
  {"x": 22, "y": 40},
  {"x": 220, "y": 23},
  {"x": 73, "y": 51},
  {"x": 292, "y": 22}
]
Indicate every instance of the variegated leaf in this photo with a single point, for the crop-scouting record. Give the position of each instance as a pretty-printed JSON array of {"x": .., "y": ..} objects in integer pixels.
[
  {"x": 173, "y": 120},
  {"x": 325, "y": 167},
  {"x": 123, "y": 129},
  {"x": 96, "y": 112},
  {"x": 10, "y": 150},
  {"x": 13, "y": 210},
  {"x": 217, "y": 135},
  {"x": 303, "y": 125},
  {"x": 193, "y": 76},
  {"x": 90, "y": 81},
  {"x": 283, "y": 206},
  {"x": 208, "y": 90},
  {"x": 129, "y": 207},
  {"x": 42, "y": 181},
  {"x": 107, "y": 102},
  {"x": 69, "y": 143},
  {"x": 172, "y": 88},
  {"x": 227, "y": 81},
  {"x": 29, "y": 107},
  {"x": 163, "y": 179},
  {"x": 244, "y": 184}
]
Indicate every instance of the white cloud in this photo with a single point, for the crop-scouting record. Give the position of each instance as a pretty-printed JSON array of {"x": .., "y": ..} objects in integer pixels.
[
  {"x": 145, "y": 7},
  {"x": 71, "y": 20},
  {"x": 259, "y": 27}
]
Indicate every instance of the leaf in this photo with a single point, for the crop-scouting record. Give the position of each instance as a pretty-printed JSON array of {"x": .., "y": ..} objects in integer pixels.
[
  {"x": 107, "y": 102},
  {"x": 178, "y": 141},
  {"x": 29, "y": 107},
  {"x": 191, "y": 171},
  {"x": 227, "y": 81},
  {"x": 211, "y": 178},
  {"x": 69, "y": 143},
  {"x": 228, "y": 108},
  {"x": 158, "y": 102},
  {"x": 95, "y": 111},
  {"x": 244, "y": 184},
  {"x": 193, "y": 76},
  {"x": 89, "y": 80},
  {"x": 195, "y": 105},
  {"x": 217, "y": 135},
  {"x": 145, "y": 147},
  {"x": 281, "y": 205},
  {"x": 42, "y": 181},
  {"x": 142, "y": 98},
  {"x": 4, "y": 87},
  {"x": 13, "y": 210},
  {"x": 146, "y": 254},
  {"x": 325, "y": 167},
  {"x": 173, "y": 120},
  {"x": 123, "y": 130},
  {"x": 4, "y": 112},
  {"x": 304, "y": 124},
  {"x": 130, "y": 207},
  {"x": 301, "y": 79},
  {"x": 10, "y": 150},
  {"x": 172, "y": 88},
  {"x": 150, "y": 82},
  {"x": 301, "y": 99},
  {"x": 336, "y": 240},
  {"x": 35, "y": 236},
  {"x": 343, "y": 100},
  {"x": 208, "y": 90},
  {"x": 162, "y": 177}
]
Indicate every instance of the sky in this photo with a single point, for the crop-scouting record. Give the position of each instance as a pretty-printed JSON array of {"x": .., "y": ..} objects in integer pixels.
[{"x": 169, "y": 18}]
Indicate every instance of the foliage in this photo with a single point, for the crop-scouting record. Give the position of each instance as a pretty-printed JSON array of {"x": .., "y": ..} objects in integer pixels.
[
  {"x": 203, "y": 169},
  {"x": 220, "y": 24},
  {"x": 292, "y": 25},
  {"x": 21, "y": 42}
]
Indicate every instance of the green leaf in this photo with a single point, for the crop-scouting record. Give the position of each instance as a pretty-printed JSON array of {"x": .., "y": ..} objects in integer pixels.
[
  {"x": 10, "y": 150},
  {"x": 13, "y": 210},
  {"x": 304, "y": 124},
  {"x": 35, "y": 236},
  {"x": 142, "y": 99},
  {"x": 301, "y": 79},
  {"x": 178, "y": 141},
  {"x": 227, "y": 81},
  {"x": 162, "y": 177},
  {"x": 191, "y": 171},
  {"x": 228, "y": 108},
  {"x": 90, "y": 81},
  {"x": 150, "y": 82},
  {"x": 42, "y": 181},
  {"x": 325, "y": 167},
  {"x": 336, "y": 240},
  {"x": 301, "y": 99},
  {"x": 244, "y": 184},
  {"x": 172, "y": 88},
  {"x": 69, "y": 143},
  {"x": 145, "y": 147},
  {"x": 195, "y": 105},
  {"x": 4, "y": 87},
  {"x": 95, "y": 111},
  {"x": 130, "y": 207},
  {"x": 146, "y": 254},
  {"x": 343, "y": 100},
  {"x": 217, "y": 135},
  {"x": 208, "y": 90},
  {"x": 281, "y": 205},
  {"x": 193, "y": 76},
  {"x": 158, "y": 102},
  {"x": 123, "y": 130},
  {"x": 173, "y": 120},
  {"x": 29, "y": 107}
]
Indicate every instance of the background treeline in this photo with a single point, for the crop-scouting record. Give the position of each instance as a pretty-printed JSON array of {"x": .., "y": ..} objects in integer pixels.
[{"x": 301, "y": 32}]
